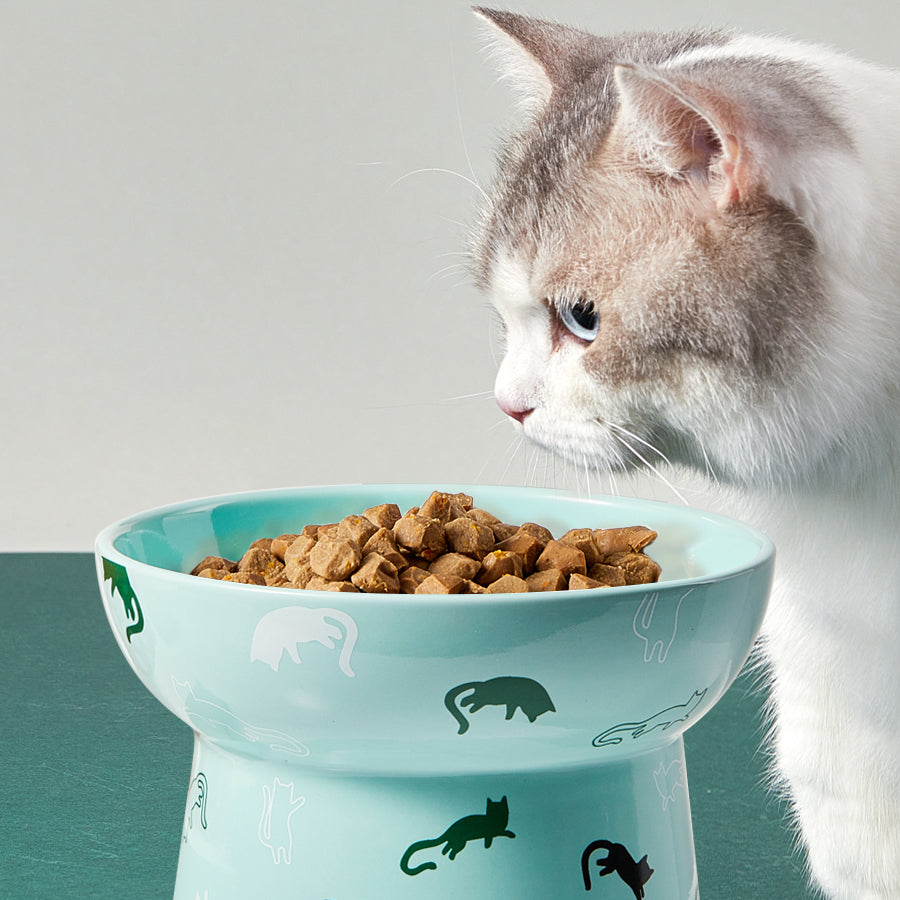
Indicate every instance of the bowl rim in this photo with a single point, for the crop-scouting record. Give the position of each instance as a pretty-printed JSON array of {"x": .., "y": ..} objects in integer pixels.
[{"x": 104, "y": 544}]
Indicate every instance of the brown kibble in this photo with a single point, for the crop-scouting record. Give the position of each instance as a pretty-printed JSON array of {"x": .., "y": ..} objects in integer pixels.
[
  {"x": 638, "y": 568},
  {"x": 281, "y": 543},
  {"x": 441, "y": 584},
  {"x": 382, "y": 542},
  {"x": 356, "y": 528},
  {"x": 410, "y": 578},
  {"x": 502, "y": 531},
  {"x": 560, "y": 556},
  {"x": 619, "y": 540},
  {"x": 498, "y": 563},
  {"x": 262, "y": 561},
  {"x": 334, "y": 559},
  {"x": 583, "y": 539},
  {"x": 547, "y": 580},
  {"x": 544, "y": 535},
  {"x": 482, "y": 516},
  {"x": 421, "y": 535},
  {"x": 384, "y": 515},
  {"x": 296, "y": 559},
  {"x": 214, "y": 562},
  {"x": 376, "y": 575},
  {"x": 579, "y": 582},
  {"x": 455, "y": 564},
  {"x": 261, "y": 544},
  {"x": 526, "y": 545},
  {"x": 471, "y": 538},
  {"x": 317, "y": 583},
  {"x": 472, "y": 587},
  {"x": 437, "y": 506},
  {"x": 217, "y": 574},
  {"x": 608, "y": 576},
  {"x": 299, "y": 573},
  {"x": 508, "y": 584},
  {"x": 244, "y": 577}
]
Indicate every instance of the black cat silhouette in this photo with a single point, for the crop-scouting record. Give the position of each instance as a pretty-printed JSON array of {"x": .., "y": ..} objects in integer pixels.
[
  {"x": 469, "y": 828},
  {"x": 511, "y": 691},
  {"x": 620, "y": 861}
]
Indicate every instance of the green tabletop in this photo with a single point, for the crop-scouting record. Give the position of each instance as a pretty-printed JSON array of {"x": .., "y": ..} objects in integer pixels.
[{"x": 95, "y": 770}]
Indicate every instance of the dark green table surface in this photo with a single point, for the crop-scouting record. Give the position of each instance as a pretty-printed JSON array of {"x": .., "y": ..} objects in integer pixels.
[{"x": 95, "y": 770}]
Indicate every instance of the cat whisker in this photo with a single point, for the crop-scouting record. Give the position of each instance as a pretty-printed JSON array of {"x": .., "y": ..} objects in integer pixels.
[
  {"x": 651, "y": 467},
  {"x": 639, "y": 439},
  {"x": 442, "y": 171}
]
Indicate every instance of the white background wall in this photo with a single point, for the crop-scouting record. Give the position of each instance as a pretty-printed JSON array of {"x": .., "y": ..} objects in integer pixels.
[{"x": 222, "y": 266}]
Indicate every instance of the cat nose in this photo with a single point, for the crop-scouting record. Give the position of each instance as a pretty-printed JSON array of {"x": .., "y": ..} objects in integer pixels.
[{"x": 514, "y": 412}]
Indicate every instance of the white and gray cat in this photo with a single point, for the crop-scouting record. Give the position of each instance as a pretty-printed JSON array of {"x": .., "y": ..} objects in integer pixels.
[{"x": 693, "y": 245}]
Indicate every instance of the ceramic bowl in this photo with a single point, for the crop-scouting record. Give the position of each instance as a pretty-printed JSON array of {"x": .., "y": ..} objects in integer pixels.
[{"x": 354, "y": 745}]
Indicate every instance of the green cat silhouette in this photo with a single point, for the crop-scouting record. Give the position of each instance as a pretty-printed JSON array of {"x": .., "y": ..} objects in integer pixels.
[
  {"x": 469, "y": 828},
  {"x": 117, "y": 576},
  {"x": 511, "y": 691}
]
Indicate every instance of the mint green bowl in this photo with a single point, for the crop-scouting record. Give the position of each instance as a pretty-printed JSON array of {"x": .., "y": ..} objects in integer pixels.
[{"x": 354, "y": 745}]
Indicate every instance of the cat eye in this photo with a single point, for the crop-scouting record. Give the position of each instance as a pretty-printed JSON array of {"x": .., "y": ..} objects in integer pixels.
[{"x": 580, "y": 318}]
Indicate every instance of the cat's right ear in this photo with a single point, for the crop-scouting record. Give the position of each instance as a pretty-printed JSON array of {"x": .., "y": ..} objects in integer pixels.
[{"x": 533, "y": 55}]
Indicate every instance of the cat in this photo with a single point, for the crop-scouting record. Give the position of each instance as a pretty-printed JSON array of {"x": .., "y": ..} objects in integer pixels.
[
  {"x": 283, "y": 629},
  {"x": 620, "y": 861},
  {"x": 691, "y": 242},
  {"x": 478, "y": 827},
  {"x": 274, "y": 829},
  {"x": 664, "y": 719},
  {"x": 511, "y": 691}
]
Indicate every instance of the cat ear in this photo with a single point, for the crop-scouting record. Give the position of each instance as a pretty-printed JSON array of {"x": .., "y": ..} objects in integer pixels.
[
  {"x": 535, "y": 56},
  {"x": 686, "y": 130}
]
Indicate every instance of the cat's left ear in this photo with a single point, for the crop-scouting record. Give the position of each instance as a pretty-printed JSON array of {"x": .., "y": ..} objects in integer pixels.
[{"x": 687, "y": 130}]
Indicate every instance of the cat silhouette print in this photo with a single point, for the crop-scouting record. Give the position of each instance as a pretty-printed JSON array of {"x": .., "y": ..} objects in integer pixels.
[
  {"x": 664, "y": 719},
  {"x": 117, "y": 576},
  {"x": 479, "y": 827},
  {"x": 619, "y": 861},
  {"x": 511, "y": 691},
  {"x": 282, "y": 630}
]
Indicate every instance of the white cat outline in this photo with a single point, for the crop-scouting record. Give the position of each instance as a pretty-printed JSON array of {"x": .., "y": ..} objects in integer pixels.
[
  {"x": 279, "y": 805},
  {"x": 643, "y": 621},
  {"x": 285, "y": 628},
  {"x": 666, "y": 784}
]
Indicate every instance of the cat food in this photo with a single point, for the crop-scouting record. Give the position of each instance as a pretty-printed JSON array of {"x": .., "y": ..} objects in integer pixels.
[{"x": 445, "y": 546}]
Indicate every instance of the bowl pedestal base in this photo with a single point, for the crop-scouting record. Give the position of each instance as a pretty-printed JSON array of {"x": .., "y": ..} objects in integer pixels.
[{"x": 283, "y": 829}]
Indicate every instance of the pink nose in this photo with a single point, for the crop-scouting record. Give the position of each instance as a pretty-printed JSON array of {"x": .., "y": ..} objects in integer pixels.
[{"x": 513, "y": 412}]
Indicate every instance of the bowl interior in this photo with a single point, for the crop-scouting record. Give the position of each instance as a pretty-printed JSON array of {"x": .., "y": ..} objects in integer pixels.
[{"x": 691, "y": 544}]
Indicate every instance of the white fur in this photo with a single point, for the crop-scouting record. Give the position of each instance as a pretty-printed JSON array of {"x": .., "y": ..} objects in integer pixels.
[{"x": 832, "y": 638}]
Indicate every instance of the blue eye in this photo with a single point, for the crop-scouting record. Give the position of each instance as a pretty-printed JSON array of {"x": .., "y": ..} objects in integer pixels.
[{"x": 581, "y": 319}]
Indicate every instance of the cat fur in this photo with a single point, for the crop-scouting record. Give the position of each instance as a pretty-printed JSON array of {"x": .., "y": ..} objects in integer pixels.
[{"x": 730, "y": 205}]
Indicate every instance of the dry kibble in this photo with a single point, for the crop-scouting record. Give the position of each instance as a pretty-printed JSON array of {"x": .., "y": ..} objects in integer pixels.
[
  {"x": 497, "y": 564},
  {"x": 333, "y": 559},
  {"x": 638, "y": 568},
  {"x": 446, "y": 546},
  {"x": 410, "y": 578},
  {"x": 583, "y": 539},
  {"x": 214, "y": 562},
  {"x": 455, "y": 564},
  {"x": 262, "y": 562},
  {"x": 608, "y": 576},
  {"x": 544, "y": 535},
  {"x": 441, "y": 584},
  {"x": 376, "y": 575},
  {"x": 356, "y": 528},
  {"x": 618, "y": 540},
  {"x": 421, "y": 535},
  {"x": 579, "y": 582},
  {"x": 471, "y": 538},
  {"x": 244, "y": 577},
  {"x": 547, "y": 580},
  {"x": 508, "y": 584},
  {"x": 526, "y": 545},
  {"x": 384, "y": 515},
  {"x": 382, "y": 542},
  {"x": 557, "y": 555},
  {"x": 281, "y": 543}
]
